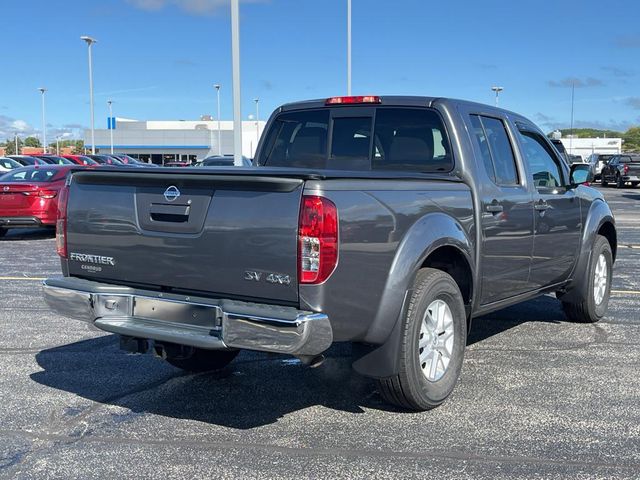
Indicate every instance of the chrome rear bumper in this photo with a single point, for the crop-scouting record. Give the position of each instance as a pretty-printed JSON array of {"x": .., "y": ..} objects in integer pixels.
[{"x": 193, "y": 321}]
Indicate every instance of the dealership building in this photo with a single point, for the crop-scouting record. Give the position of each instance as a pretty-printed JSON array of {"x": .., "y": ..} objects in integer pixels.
[
  {"x": 586, "y": 146},
  {"x": 162, "y": 141}
]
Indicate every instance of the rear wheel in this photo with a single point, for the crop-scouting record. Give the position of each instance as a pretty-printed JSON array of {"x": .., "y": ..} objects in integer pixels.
[
  {"x": 434, "y": 335},
  {"x": 201, "y": 360},
  {"x": 593, "y": 306}
]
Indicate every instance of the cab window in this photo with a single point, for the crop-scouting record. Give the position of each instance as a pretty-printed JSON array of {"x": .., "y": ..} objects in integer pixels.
[{"x": 543, "y": 164}]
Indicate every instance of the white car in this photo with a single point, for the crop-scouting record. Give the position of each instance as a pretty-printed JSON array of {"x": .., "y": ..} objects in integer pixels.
[{"x": 7, "y": 164}]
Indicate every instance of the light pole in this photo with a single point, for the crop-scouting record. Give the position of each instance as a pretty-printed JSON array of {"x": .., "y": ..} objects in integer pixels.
[
  {"x": 17, "y": 148},
  {"x": 217, "y": 87},
  {"x": 497, "y": 90},
  {"x": 349, "y": 47},
  {"x": 90, "y": 41},
  {"x": 111, "y": 124},
  {"x": 235, "y": 57},
  {"x": 573, "y": 88},
  {"x": 44, "y": 123},
  {"x": 257, "y": 100}
]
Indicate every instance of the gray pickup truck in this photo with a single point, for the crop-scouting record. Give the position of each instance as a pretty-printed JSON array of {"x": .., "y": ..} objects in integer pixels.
[{"x": 389, "y": 222}]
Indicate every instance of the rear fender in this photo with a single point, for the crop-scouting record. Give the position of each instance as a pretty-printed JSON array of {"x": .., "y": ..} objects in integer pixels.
[{"x": 435, "y": 230}]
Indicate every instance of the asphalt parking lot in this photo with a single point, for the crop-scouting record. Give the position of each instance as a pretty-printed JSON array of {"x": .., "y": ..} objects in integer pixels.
[{"x": 538, "y": 398}]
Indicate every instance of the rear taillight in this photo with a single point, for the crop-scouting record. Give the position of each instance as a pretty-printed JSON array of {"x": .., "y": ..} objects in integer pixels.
[
  {"x": 41, "y": 193},
  {"x": 626, "y": 169},
  {"x": 61, "y": 222},
  {"x": 317, "y": 239},
  {"x": 47, "y": 193}
]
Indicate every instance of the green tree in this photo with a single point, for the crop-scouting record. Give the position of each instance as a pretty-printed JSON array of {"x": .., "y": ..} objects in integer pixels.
[
  {"x": 10, "y": 146},
  {"x": 631, "y": 139},
  {"x": 32, "y": 142}
]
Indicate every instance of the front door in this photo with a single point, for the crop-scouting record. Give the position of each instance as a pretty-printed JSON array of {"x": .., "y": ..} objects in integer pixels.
[
  {"x": 558, "y": 223},
  {"x": 507, "y": 213}
]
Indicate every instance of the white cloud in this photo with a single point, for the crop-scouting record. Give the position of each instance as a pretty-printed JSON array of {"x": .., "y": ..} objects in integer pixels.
[{"x": 193, "y": 7}]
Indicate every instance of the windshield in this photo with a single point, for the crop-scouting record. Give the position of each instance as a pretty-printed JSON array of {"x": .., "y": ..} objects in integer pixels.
[{"x": 8, "y": 163}]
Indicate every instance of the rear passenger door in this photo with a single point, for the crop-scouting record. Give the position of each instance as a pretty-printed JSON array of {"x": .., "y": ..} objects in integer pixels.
[
  {"x": 558, "y": 219},
  {"x": 507, "y": 212}
]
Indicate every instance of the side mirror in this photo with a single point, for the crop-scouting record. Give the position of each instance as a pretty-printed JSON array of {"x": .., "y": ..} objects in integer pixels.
[{"x": 580, "y": 173}]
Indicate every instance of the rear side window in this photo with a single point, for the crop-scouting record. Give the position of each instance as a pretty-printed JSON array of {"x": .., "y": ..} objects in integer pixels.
[
  {"x": 494, "y": 142},
  {"x": 410, "y": 139},
  {"x": 478, "y": 132},
  {"x": 297, "y": 139}
]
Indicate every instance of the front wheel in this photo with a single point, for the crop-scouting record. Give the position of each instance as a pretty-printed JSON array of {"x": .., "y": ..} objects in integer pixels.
[
  {"x": 434, "y": 335},
  {"x": 201, "y": 360},
  {"x": 593, "y": 305}
]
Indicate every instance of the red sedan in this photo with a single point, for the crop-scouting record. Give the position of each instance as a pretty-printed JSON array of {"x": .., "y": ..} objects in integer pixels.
[
  {"x": 80, "y": 159},
  {"x": 29, "y": 196}
]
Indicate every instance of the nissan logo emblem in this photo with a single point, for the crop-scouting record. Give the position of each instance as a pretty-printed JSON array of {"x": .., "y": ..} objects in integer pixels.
[
  {"x": 6, "y": 188},
  {"x": 171, "y": 193}
]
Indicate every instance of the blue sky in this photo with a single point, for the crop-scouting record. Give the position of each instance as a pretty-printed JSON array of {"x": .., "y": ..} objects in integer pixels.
[{"x": 159, "y": 59}]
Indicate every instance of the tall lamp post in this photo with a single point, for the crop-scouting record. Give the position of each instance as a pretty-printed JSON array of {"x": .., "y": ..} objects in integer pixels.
[
  {"x": 497, "y": 90},
  {"x": 16, "y": 139},
  {"x": 257, "y": 100},
  {"x": 42, "y": 90},
  {"x": 235, "y": 57},
  {"x": 349, "y": 47},
  {"x": 90, "y": 41},
  {"x": 111, "y": 124},
  {"x": 217, "y": 87}
]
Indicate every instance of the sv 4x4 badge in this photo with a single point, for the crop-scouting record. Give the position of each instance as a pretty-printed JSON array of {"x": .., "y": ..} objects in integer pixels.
[{"x": 275, "y": 278}]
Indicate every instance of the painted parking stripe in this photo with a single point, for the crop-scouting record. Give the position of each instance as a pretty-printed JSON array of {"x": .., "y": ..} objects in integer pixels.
[{"x": 31, "y": 279}]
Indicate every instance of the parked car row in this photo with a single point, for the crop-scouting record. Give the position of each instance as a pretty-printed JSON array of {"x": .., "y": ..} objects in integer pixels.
[{"x": 14, "y": 161}]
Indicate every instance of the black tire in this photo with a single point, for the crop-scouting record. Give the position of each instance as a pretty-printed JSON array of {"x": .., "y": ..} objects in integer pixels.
[
  {"x": 635, "y": 184},
  {"x": 585, "y": 310},
  {"x": 619, "y": 182},
  {"x": 203, "y": 360},
  {"x": 3, "y": 232},
  {"x": 603, "y": 182},
  {"x": 411, "y": 389}
]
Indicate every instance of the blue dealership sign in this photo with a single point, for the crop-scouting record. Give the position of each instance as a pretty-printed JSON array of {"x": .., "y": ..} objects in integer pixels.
[{"x": 111, "y": 123}]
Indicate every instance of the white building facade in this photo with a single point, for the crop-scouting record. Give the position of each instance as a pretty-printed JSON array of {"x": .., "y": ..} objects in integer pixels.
[
  {"x": 586, "y": 146},
  {"x": 162, "y": 141}
]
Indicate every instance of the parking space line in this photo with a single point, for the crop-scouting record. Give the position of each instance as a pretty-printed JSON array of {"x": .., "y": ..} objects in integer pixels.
[
  {"x": 626, "y": 292},
  {"x": 32, "y": 279}
]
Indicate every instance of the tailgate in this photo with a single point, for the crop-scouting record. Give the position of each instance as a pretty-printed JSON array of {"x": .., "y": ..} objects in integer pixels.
[{"x": 230, "y": 235}]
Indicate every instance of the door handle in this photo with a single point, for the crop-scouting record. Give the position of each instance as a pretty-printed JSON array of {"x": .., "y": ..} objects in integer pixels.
[
  {"x": 542, "y": 206},
  {"x": 494, "y": 207}
]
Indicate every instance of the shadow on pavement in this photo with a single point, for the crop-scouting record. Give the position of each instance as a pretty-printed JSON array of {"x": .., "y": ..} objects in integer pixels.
[
  {"x": 631, "y": 196},
  {"x": 255, "y": 390},
  {"x": 14, "y": 234},
  {"x": 541, "y": 309}
]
